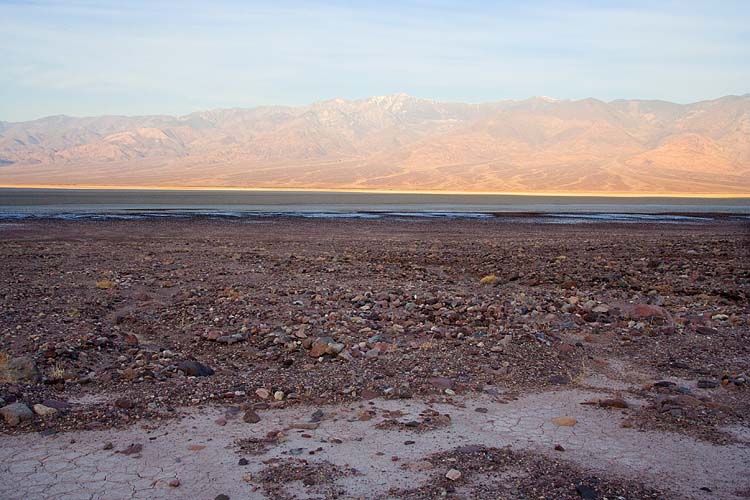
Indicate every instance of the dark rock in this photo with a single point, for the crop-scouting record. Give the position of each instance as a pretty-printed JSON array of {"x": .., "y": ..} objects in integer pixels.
[
  {"x": 707, "y": 384},
  {"x": 243, "y": 461},
  {"x": 124, "y": 403},
  {"x": 440, "y": 382},
  {"x": 613, "y": 403},
  {"x": 586, "y": 492},
  {"x": 195, "y": 369},
  {"x": 706, "y": 330},
  {"x": 251, "y": 417},
  {"x": 221, "y": 497},
  {"x": 559, "y": 380},
  {"x": 132, "y": 449}
]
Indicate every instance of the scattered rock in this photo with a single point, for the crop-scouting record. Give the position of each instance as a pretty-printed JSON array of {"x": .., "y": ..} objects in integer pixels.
[
  {"x": 453, "y": 474},
  {"x": 15, "y": 413},
  {"x": 613, "y": 403},
  {"x": 564, "y": 421},
  {"x": 195, "y": 369},
  {"x": 132, "y": 449},
  {"x": 262, "y": 393},
  {"x": 707, "y": 384},
  {"x": 20, "y": 369},
  {"x": 251, "y": 417},
  {"x": 586, "y": 492},
  {"x": 174, "y": 483},
  {"x": 124, "y": 403},
  {"x": 44, "y": 411}
]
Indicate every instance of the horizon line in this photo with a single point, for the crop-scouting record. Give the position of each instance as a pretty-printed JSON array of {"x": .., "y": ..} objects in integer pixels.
[
  {"x": 546, "y": 98},
  {"x": 572, "y": 194}
]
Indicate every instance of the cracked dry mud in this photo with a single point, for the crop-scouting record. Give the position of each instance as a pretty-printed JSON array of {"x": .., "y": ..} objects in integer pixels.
[
  {"x": 438, "y": 371},
  {"x": 204, "y": 456}
]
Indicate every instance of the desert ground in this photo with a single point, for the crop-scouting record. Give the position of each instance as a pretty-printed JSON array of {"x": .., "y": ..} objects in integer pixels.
[{"x": 393, "y": 359}]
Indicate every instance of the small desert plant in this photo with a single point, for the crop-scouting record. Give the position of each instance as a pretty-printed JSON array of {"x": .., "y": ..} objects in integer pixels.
[
  {"x": 490, "y": 279},
  {"x": 104, "y": 284},
  {"x": 57, "y": 372}
]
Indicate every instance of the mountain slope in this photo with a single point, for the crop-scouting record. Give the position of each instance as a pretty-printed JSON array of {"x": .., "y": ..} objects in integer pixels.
[{"x": 400, "y": 142}]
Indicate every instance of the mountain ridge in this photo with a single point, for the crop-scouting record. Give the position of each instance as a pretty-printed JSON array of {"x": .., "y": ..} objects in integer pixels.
[{"x": 399, "y": 142}]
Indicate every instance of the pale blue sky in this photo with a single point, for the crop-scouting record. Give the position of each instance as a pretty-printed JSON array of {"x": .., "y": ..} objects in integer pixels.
[{"x": 148, "y": 57}]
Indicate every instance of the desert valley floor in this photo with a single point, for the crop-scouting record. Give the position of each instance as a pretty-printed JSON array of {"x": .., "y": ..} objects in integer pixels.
[{"x": 406, "y": 359}]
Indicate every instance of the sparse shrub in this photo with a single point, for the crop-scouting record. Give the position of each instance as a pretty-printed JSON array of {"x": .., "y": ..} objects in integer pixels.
[{"x": 490, "y": 279}]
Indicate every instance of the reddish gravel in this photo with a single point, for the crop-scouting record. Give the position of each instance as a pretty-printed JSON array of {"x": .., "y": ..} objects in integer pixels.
[{"x": 96, "y": 312}]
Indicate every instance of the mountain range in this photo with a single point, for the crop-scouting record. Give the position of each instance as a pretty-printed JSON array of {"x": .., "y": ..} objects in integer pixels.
[{"x": 399, "y": 142}]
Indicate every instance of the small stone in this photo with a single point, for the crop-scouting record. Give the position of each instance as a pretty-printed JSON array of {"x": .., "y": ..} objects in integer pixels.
[
  {"x": 262, "y": 393},
  {"x": 586, "y": 492},
  {"x": 44, "y": 411},
  {"x": 335, "y": 348},
  {"x": 124, "y": 403},
  {"x": 15, "y": 413},
  {"x": 564, "y": 421},
  {"x": 453, "y": 474},
  {"x": 243, "y": 461},
  {"x": 108, "y": 445},
  {"x": 221, "y": 497},
  {"x": 278, "y": 395},
  {"x": 706, "y": 330},
  {"x": 613, "y": 403},
  {"x": 195, "y": 369},
  {"x": 450, "y": 392},
  {"x": 174, "y": 483},
  {"x": 559, "y": 447},
  {"x": 251, "y": 417},
  {"x": 481, "y": 410},
  {"x": 319, "y": 348},
  {"x": 132, "y": 449},
  {"x": 440, "y": 382},
  {"x": 707, "y": 384}
]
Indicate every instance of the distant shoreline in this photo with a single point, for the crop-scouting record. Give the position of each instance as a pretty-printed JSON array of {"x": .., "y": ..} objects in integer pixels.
[{"x": 90, "y": 187}]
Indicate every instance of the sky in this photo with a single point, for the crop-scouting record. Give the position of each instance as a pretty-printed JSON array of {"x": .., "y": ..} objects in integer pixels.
[{"x": 86, "y": 58}]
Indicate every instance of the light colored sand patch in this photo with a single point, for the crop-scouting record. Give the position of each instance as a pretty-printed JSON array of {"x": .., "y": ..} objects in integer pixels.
[{"x": 75, "y": 465}]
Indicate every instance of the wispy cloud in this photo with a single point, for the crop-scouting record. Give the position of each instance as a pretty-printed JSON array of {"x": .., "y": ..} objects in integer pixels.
[{"x": 86, "y": 57}]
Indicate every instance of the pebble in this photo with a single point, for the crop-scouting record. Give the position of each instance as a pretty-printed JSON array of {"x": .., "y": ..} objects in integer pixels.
[
  {"x": 564, "y": 421},
  {"x": 586, "y": 492},
  {"x": 278, "y": 395},
  {"x": 195, "y": 369},
  {"x": 174, "y": 483},
  {"x": 707, "y": 384},
  {"x": 262, "y": 393},
  {"x": 251, "y": 417},
  {"x": 43, "y": 411},
  {"x": 453, "y": 474}
]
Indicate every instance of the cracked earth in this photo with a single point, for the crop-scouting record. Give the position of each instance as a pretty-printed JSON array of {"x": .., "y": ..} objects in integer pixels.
[{"x": 203, "y": 454}]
